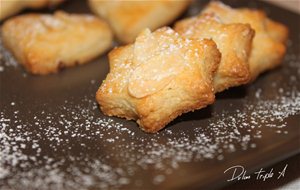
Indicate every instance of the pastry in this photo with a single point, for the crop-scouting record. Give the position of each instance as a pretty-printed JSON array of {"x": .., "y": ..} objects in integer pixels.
[
  {"x": 159, "y": 77},
  {"x": 268, "y": 47},
  {"x": 45, "y": 43},
  {"x": 129, "y": 18},
  {"x": 11, "y": 7},
  {"x": 234, "y": 42}
]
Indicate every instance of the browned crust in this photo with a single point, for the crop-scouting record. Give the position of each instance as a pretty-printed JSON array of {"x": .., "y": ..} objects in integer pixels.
[
  {"x": 269, "y": 43},
  {"x": 233, "y": 40}
]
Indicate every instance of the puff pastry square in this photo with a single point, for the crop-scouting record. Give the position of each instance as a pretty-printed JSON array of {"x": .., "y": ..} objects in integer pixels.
[
  {"x": 11, "y": 7},
  {"x": 268, "y": 47},
  {"x": 45, "y": 43},
  {"x": 158, "y": 78},
  {"x": 234, "y": 42},
  {"x": 129, "y": 18}
]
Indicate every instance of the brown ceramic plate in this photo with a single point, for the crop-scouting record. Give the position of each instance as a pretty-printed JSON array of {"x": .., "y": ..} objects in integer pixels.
[{"x": 53, "y": 135}]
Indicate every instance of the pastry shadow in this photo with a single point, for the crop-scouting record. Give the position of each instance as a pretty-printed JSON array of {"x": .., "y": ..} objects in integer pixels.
[
  {"x": 201, "y": 114},
  {"x": 206, "y": 113},
  {"x": 233, "y": 93}
]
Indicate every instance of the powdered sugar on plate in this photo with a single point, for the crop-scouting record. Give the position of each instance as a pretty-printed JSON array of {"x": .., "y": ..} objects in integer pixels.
[{"x": 29, "y": 146}]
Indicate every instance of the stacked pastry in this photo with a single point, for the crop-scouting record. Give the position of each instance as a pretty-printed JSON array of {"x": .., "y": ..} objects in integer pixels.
[
  {"x": 269, "y": 43},
  {"x": 168, "y": 72}
]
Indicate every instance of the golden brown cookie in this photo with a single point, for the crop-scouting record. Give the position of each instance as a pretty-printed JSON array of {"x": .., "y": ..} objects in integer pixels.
[
  {"x": 268, "y": 47},
  {"x": 234, "y": 42},
  {"x": 11, "y": 7},
  {"x": 129, "y": 18},
  {"x": 159, "y": 77},
  {"x": 44, "y": 43}
]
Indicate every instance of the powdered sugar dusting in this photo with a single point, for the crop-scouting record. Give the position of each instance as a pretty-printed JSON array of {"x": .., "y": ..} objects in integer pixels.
[{"x": 31, "y": 145}]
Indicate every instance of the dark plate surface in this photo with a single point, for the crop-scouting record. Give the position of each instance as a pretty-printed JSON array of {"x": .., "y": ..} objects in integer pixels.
[{"x": 53, "y": 135}]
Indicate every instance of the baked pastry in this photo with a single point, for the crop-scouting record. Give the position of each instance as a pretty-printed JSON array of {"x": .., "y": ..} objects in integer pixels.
[
  {"x": 234, "y": 42},
  {"x": 45, "y": 43},
  {"x": 268, "y": 47},
  {"x": 158, "y": 78},
  {"x": 11, "y": 7},
  {"x": 129, "y": 18}
]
